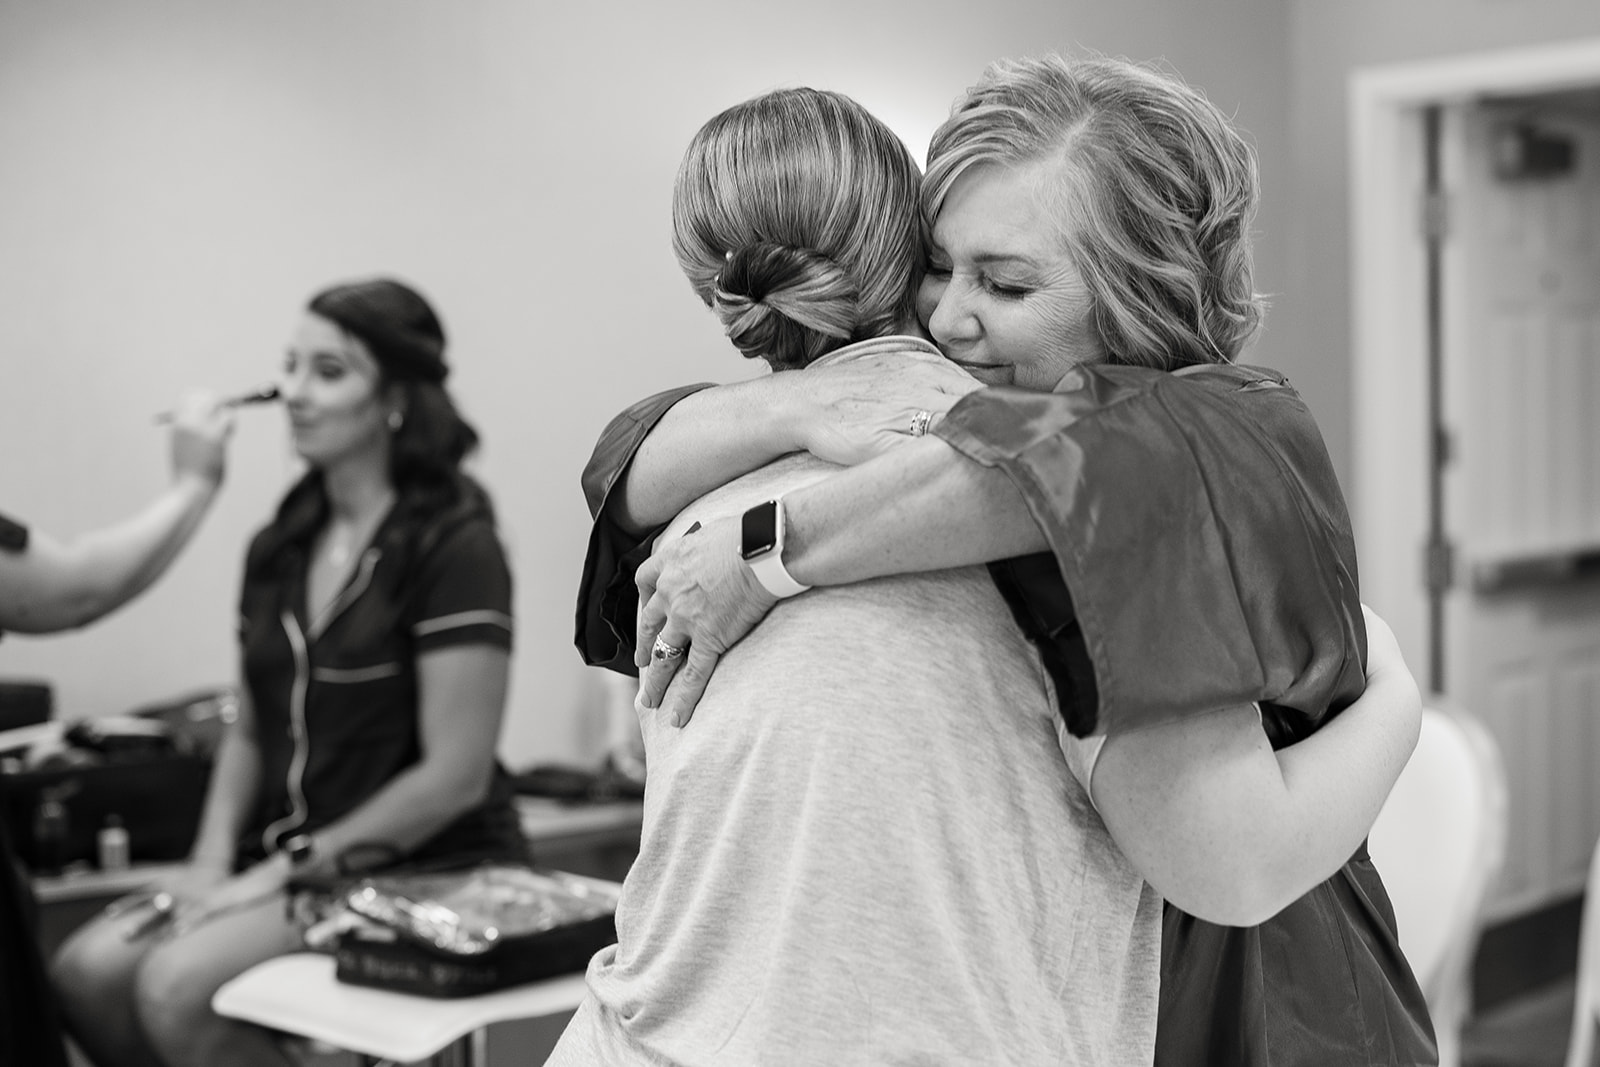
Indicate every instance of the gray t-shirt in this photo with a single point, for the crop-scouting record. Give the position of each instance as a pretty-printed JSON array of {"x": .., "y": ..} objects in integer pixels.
[{"x": 867, "y": 848}]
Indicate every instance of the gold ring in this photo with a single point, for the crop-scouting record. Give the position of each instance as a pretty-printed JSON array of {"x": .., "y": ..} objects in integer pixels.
[
  {"x": 661, "y": 651},
  {"x": 920, "y": 422}
]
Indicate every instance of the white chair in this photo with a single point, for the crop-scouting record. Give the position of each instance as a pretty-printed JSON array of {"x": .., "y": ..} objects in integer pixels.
[
  {"x": 1586, "y": 1001},
  {"x": 1439, "y": 843}
]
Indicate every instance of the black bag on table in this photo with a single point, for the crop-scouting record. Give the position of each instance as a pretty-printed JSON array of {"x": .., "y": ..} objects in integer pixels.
[
  {"x": 25, "y": 703},
  {"x": 141, "y": 770}
]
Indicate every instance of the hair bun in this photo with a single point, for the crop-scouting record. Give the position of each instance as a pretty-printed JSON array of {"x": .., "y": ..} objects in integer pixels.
[
  {"x": 764, "y": 268},
  {"x": 768, "y": 294}
]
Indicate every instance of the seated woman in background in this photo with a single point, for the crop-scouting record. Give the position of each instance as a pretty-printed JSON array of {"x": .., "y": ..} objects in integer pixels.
[
  {"x": 375, "y": 639},
  {"x": 875, "y": 841},
  {"x": 1089, "y": 258}
]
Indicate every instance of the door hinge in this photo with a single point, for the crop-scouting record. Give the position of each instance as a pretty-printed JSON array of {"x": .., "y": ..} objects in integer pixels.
[
  {"x": 1435, "y": 215},
  {"x": 1439, "y": 565},
  {"x": 1444, "y": 447}
]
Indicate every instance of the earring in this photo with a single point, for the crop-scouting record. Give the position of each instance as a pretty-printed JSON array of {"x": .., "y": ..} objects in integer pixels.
[{"x": 396, "y": 420}]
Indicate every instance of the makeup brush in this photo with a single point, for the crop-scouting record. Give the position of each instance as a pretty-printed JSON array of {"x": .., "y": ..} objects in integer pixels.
[{"x": 266, "y": 394}]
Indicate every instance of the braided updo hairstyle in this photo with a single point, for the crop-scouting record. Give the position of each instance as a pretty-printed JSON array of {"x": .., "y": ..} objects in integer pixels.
[
  {"x": 795, "y": 219},
  {"x": 1154, "y": 197}
]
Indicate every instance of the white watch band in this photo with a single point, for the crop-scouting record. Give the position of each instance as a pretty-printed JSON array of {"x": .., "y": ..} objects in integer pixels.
[
  {"x": 774, "y": 576},
  {"x": 769, "y": 569}
]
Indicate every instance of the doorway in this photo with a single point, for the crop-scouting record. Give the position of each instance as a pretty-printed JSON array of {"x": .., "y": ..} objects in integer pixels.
[{"x": 1476, "y": 530}]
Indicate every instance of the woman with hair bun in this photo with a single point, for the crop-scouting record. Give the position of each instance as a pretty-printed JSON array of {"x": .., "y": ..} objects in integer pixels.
[
  {"x": 876, "y": 840},
  {"x": 1165, "y": 528},
  {"x": 871, "y": 854},
  {"x": 375, "y": 631}
]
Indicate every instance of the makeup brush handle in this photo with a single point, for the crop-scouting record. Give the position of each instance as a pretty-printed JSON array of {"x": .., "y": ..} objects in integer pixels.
[{"x": 264, "y": 395}]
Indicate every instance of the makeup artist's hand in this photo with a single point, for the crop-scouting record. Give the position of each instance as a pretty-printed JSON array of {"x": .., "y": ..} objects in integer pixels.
[{"x": 201, "y": 426}]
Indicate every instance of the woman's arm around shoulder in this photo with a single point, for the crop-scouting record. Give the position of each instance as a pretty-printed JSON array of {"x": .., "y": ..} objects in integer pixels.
[
  {"x": 843, "y": 412},
  {"x": 668, "y": 450}
]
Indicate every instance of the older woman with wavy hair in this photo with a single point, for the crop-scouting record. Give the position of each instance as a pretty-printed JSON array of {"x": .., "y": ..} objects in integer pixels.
[
  {"x": 1143, "y": 180},
  {"x": 1164, "y": 525}
]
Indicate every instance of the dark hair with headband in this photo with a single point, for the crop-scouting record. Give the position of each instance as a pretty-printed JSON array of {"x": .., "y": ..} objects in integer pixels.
[
  {"x": 406, "y": 338},
  {"x": 397, "y": 325}
]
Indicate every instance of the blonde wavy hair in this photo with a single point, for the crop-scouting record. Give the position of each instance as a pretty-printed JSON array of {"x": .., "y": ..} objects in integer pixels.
[
  {"x": 796, "y": 219},
  {"x": 1154, "y": 197}
]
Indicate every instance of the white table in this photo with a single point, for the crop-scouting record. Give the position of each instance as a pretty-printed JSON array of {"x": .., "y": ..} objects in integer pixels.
[
  {"x": 545, "y": 822},
  {"x": 298, "y": 994}
]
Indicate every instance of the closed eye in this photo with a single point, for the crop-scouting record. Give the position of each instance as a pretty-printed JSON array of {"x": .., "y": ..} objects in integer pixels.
[
  {"x": 1006, "y": 292},
  {"x": 328, "y": 368}
]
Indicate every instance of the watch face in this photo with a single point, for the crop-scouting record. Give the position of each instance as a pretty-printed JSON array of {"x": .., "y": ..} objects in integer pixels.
[{"x": 759, "y": 530}]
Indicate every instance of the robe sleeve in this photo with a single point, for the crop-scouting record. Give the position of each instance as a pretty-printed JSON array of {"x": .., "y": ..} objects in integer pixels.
[
  {"x": 13, "y": 538},
  {"x": 13, "y": 535},
  {"x": 608, "y": 601},
  {"x": 1203, "y": 554}
]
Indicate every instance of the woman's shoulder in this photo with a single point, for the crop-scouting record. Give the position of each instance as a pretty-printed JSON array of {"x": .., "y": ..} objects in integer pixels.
[
  {"x": 466, "y": 523},
  {"x": 451, "y": 559},
  {"x": 469, "y": 507}
]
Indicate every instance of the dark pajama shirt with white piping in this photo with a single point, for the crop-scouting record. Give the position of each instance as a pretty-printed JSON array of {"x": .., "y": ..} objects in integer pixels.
[{"x": 336, "y": 697}]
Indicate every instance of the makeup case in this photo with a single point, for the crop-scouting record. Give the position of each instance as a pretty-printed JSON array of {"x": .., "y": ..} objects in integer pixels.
[{"x": 460, "y": 933}]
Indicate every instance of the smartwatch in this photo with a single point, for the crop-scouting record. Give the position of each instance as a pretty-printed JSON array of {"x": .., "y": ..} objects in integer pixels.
[
  {"x": 301, "y": 850},
  {"x": 761, "y": 547}
]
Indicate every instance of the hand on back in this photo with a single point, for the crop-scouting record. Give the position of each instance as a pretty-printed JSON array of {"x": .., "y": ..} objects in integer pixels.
[
  {"x": 864, "y": 407},
  {"x": 696, "y": 594}
]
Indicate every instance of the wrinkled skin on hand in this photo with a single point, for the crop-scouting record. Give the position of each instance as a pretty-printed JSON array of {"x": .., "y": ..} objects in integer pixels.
[
  {"x": 863, "y": 407},
  {"x": 696, "y": 593}
]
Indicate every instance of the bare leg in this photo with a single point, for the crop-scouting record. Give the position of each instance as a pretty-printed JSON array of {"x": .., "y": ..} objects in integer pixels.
[
  {"x": 93, "y": 974},
  {"x": 175, "y": 982}
]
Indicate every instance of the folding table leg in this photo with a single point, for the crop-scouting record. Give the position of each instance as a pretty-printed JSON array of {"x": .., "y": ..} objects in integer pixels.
[{"x": 469, "y": 1050}]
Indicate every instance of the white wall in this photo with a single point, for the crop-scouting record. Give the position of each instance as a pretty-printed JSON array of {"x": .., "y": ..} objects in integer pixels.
[{"x": 177, "y": 176}]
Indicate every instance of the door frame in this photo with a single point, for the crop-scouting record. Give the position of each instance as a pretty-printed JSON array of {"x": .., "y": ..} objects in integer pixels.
[{"x": 1390, "y": 438}]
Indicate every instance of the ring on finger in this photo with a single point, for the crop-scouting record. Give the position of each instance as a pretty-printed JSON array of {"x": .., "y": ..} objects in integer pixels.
[
  {"x": 664, "y": 651},
  {"x": 920, "y": 422}
]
